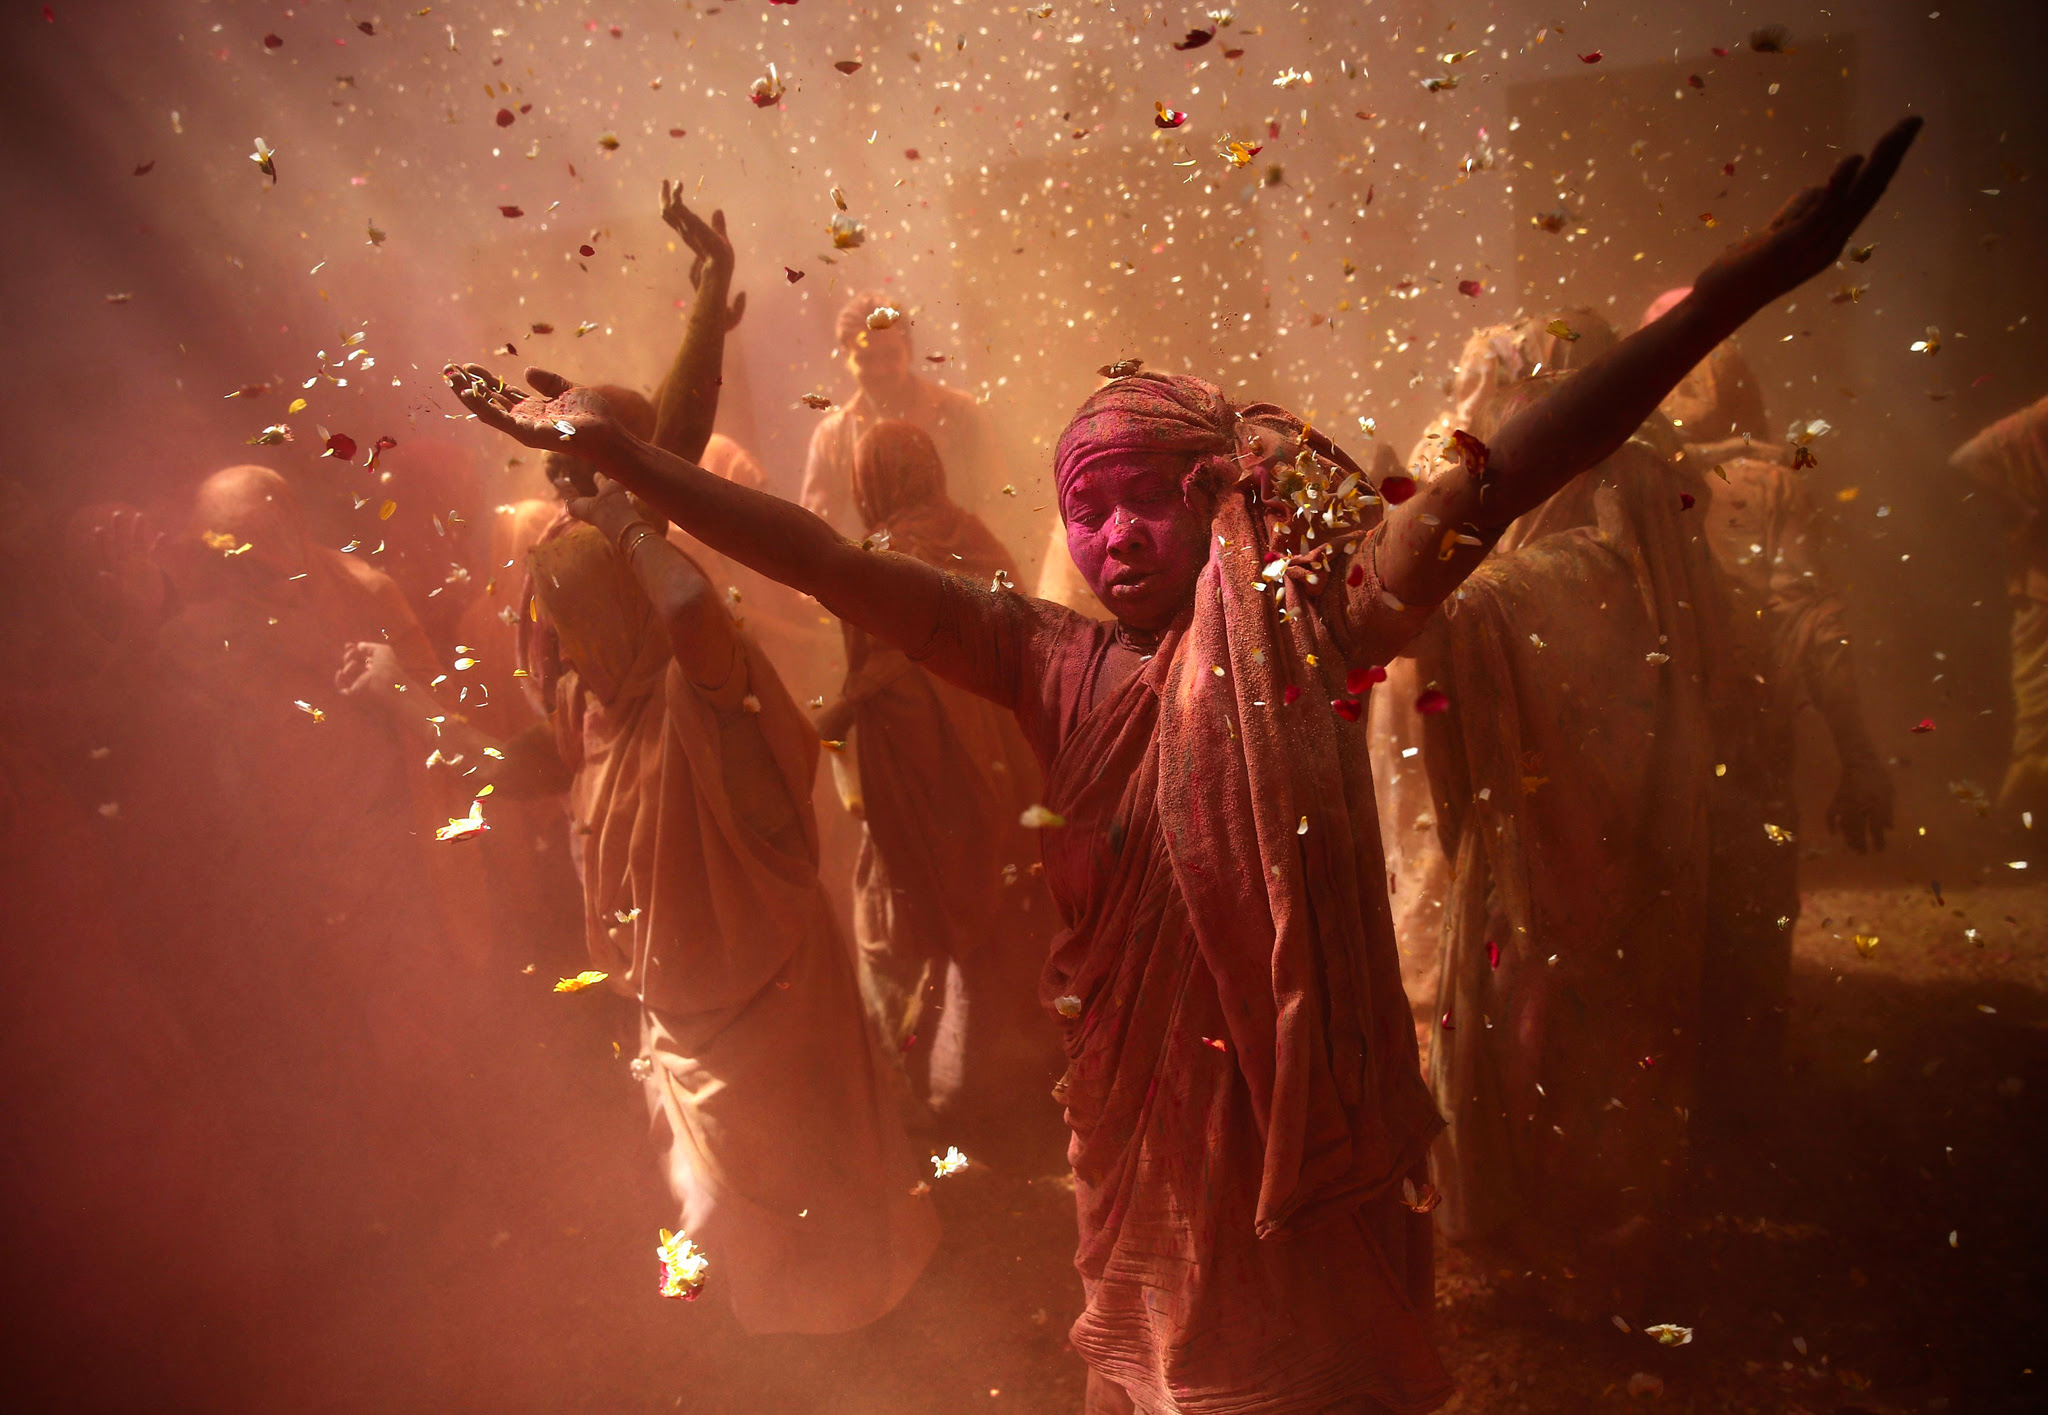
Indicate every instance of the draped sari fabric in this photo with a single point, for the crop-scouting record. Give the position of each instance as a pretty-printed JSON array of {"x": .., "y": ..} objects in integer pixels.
[
  {"x": 1243, "y": 1086},
  {"x": 1787, "y": 644},
  {"x": 1573, "y": 773},
  {"x": 2012, "y": 456},
  {"x": 328, "y": 600},
  {"x": 1563, "y": 802},
  {"x": 946, "y": 915},
  {"x": 702, "y": 901}
]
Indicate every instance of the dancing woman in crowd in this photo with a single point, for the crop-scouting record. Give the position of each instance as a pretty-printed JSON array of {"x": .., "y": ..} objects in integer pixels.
[
  {"x": 1243, "y": 1086},
  {"x": 688, "y": 770},
  {"x": 949, "y": 921},
  {"x": 1559, "y": 814}
]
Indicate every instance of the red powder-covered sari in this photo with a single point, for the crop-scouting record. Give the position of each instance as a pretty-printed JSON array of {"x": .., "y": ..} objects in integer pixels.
[
  {"x": 949, "y": 926},
  {"x": 1242, "y": 1085}
]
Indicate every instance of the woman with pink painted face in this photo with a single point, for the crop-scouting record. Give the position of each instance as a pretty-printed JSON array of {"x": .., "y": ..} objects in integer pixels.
[{"x": 1248, "y": 1119}]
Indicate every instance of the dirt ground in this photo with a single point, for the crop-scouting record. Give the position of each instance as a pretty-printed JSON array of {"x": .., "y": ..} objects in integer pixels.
[{"x": 1876, "y": 1247}]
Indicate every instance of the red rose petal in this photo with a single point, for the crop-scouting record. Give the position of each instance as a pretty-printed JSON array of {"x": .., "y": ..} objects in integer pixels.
[
  {"x": 1685, "y": 501},
  {"x": 506, "y": 117},
  {"x": 1446, "y": 1023},
  {"x": 510, "y": 212},
  {"x": 1290, "y": 697},
  {"x": 1470, "y": 287},
  {"x": 1695, "y": 80},
  {"x": 1472, "y": 450},
  {"x": 1926, "y": 725},
  {"x": 273, "y": 41},
  {"x": 1397, "y": 489},
  {"x": 1432, "y": 701},
  {"x": 1357, "y": 575},
  {"x": 678, "y": 132},
  {"x": 1492, "y": 954},
  {"x": 1346, "y": 708},
  {"x": 910, "y": 154},
  {"x": 794, "y": 275},
  {"x": 1358, "y": 680},
  {"x": 1195, "y": 40},
  {"x": 586, "y": 250},
  {"x": 341, "y": 445},
  {"x": 1592, "y": 58}
]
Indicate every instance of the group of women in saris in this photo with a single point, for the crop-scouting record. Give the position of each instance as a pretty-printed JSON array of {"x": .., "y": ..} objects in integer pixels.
[{"x": 1249, "y": 1119}]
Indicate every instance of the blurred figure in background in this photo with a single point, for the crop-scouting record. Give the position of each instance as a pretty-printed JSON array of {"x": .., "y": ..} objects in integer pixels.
[
  {"x": 949, "y": 916},
  {"x": 877, "y": 347},
  {"x": 1788, "y": 647},
  {"x": 1558, "y": 811},
  {"x": 688, "y": 772},
  {"x": 1494, "y": 361},
  {"x": 435, "y": 541},
  {"x": 2011, "y": 458},
  {"x": 272, "y": 607}
]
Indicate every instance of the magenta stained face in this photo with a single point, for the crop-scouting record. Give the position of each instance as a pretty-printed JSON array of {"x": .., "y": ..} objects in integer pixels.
[{"x": 1134, "y": 536}]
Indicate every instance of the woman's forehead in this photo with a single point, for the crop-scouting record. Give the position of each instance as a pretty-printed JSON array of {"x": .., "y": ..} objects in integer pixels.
[{"x": 1111, "y": 471}]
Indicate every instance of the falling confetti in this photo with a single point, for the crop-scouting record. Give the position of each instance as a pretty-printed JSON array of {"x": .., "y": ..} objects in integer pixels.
[{"x": 465, "y": 827}]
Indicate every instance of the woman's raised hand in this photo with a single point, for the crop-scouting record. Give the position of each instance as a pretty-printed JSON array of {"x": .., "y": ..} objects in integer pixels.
[
  {"x": 556, "y": 417},
  {"x": 1809, "y": 231},
  {"x": 707, "y": 241},
  {"x": 122, "y": 567},
  {"x": 368, "y": 668}
]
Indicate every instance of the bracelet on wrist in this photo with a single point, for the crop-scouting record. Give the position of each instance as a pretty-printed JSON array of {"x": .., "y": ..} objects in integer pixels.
[{"x": 628, "y": 542}]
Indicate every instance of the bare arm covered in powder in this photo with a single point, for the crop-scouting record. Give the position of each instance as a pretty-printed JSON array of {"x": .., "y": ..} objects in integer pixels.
[
  {"x": 688, "y": 400},
  {"x": 1594, "y": 412},
  {"x": 894, "y": 597}
]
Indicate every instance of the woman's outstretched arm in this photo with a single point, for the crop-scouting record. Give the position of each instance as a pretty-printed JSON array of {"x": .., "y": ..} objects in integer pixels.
[
  {"x": 893, "y": 597},
  {"x": 1594, "y": 412}
]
